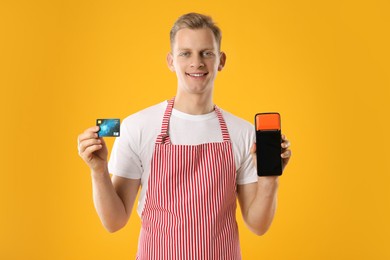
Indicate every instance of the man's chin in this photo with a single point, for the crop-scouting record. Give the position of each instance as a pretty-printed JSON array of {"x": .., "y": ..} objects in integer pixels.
[{"x": 196, "y": 90}]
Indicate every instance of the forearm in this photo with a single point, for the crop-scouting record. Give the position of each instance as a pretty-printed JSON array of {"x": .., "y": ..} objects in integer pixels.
[
  {"x": 108, "y": 205},
  {"x": 262, "y": 209}
]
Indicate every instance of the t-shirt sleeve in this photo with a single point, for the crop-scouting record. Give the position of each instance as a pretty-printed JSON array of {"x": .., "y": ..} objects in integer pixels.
[{"x": 124, "y": 160}]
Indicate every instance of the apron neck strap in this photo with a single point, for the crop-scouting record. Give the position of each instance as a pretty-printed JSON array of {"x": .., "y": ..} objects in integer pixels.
[
  {"x": 164, "y": 138},
  {"x": 224, "y": 130}
]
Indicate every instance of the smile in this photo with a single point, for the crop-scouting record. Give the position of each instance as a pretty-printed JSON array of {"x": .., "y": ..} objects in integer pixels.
[{"x": 196, "y": 74}]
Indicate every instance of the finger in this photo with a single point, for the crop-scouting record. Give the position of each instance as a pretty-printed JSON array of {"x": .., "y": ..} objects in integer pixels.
[
  {"x": 92, "y": 129},
  {"x": 102, "y": 141},
  {"x": 286, "y": 144},
  {"x": 88, "y": 132},
  {"x": 83, "y": 146},
  {"x": 87, "y": 135},
  {"x": 86, "y": 155},
  {"x": 286, "y": 154}
]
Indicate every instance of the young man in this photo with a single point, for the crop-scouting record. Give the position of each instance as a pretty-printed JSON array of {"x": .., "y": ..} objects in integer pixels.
[{"x": 191, "y": 159}]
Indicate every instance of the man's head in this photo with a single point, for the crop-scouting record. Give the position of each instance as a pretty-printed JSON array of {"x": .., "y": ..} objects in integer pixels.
[
  {"x": 195, "y": 56},
  {"x": 195, "y": 21}
]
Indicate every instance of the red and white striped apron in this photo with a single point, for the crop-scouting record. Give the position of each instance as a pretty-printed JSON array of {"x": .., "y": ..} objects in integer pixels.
[{"x": 190, "y": 204}]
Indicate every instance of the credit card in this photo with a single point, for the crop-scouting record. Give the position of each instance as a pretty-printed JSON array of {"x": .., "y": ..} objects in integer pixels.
[{"x": 109, "y": 127}]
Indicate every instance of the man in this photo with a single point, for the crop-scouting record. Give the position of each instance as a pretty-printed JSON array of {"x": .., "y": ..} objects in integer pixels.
[{"x": 191, "y": 159}]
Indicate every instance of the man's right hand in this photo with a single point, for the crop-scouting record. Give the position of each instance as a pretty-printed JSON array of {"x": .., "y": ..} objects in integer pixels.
[{"x": 92, "y": 149}]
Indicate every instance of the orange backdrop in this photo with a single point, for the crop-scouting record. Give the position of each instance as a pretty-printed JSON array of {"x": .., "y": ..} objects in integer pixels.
[{"x": 323, "y": 65}]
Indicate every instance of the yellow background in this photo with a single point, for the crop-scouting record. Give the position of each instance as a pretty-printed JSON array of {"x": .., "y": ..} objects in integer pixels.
[{"x": 324, "y": 65}]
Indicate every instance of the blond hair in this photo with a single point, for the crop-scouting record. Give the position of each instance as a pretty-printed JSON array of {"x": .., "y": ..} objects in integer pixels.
[{"x": 195, "y": 21}]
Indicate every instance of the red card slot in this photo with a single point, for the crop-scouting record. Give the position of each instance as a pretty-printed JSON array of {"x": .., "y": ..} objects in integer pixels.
[{"x": 269, "y": 121}]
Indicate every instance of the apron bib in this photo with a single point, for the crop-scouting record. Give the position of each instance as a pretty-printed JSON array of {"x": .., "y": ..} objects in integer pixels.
[{"x": 190, "y": 204}]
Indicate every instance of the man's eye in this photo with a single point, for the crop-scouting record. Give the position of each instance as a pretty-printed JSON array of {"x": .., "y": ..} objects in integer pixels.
[
  {"x": 184, "y": 54},
  {"x": 207, "y": 54}
]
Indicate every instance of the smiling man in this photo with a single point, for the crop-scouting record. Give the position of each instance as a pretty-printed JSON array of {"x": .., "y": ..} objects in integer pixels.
[
  {"x": 196, "y": 59},
  {"x": 191, "y": 159}
]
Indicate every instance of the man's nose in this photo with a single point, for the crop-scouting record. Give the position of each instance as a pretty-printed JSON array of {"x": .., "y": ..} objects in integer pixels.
[{"x": 197, "y": 61}]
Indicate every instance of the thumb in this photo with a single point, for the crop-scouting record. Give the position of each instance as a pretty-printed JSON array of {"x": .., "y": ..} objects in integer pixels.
[
  {"x": 253, "y": 153},
  {"x": 253, "y": 149}
]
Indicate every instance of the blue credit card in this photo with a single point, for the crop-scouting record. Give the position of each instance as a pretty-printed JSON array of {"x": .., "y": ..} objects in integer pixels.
[{"x": 109, "y": 127}]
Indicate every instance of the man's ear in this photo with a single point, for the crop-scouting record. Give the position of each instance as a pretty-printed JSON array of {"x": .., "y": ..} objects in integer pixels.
[
  {"x": 222, "y": 60},
  {"x": 170, "y": 62}
]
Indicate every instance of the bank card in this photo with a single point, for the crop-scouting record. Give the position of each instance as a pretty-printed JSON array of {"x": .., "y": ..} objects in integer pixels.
[{"x": 108, "y": 127}]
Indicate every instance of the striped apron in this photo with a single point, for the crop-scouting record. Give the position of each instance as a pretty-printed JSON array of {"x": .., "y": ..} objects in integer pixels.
[{"x": 190, "y": 203}]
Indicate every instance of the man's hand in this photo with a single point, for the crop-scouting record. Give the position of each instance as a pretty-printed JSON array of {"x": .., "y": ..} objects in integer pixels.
[
  {"x": 92, "y": 149},
  {"x": 286, "y": 152}
]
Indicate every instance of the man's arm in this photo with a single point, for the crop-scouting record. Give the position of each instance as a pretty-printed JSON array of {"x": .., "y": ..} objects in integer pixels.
[
  {"x": 258, "y": 200},
  {"x": 113, "y": 198},
  {"x": 258, "y": 203}
]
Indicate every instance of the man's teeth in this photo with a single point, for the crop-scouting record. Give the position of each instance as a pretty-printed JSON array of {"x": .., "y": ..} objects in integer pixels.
[{"x": 197, "y": 74}]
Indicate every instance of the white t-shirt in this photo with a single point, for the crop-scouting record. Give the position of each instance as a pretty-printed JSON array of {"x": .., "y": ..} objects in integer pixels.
[{"x": 132, "y": 152}]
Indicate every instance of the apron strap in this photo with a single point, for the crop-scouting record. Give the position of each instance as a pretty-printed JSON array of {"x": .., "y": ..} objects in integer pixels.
[
  {"x": 164, "y": 138},
  {"x": 225, "y": 132}
]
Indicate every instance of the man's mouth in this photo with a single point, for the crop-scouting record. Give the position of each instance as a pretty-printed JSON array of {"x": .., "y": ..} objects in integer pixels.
[{"x": 196, "y": 74}]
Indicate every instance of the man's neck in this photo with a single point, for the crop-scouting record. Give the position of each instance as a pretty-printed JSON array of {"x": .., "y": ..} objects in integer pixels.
[{"x": 194, "y": 104}]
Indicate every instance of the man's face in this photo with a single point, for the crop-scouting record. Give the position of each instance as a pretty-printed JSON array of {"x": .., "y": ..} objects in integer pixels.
[{"x": 196, "y": 59}]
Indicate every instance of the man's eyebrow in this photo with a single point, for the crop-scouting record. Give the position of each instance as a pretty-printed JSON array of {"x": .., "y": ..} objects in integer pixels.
[{"x": 189, "y": 49}]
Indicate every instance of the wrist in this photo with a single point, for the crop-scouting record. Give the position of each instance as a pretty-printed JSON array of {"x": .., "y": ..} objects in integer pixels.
[
  {"x": 269, "y": 181},
  {"x": 100, "y": 173}
]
